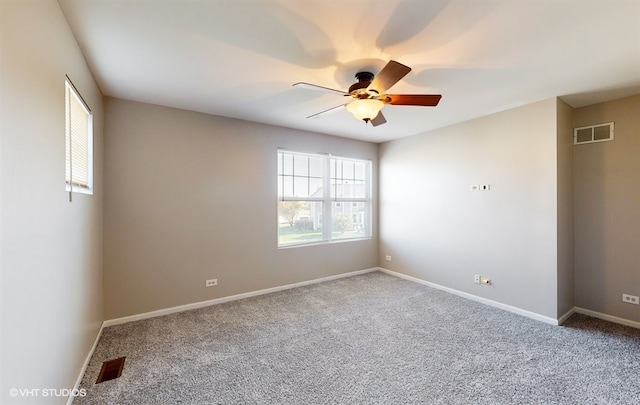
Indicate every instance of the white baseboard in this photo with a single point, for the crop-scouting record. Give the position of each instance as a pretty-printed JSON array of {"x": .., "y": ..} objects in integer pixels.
[
  {"x": 76, "y": 386},
  {"x": 202, "y": 304},
  {"x": 472, "y": 297},
  {"x": 517, "y": 310},
  {"x": 566, "y": 316},
  {"x": 606, "y": 317}
]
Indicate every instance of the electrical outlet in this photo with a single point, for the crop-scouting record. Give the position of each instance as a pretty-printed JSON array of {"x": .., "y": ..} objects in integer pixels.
[
  {"x": 630, "y": 299},
  {"x": 211, "y": 283},
  {"x": 387, "y": 258},
  {"x": 477, "y": 278}
]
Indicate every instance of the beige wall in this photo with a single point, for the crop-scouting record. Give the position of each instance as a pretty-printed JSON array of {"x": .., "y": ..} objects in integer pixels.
[
  {"x": 437, "y": 229},
  {"x": 191, "y": 196},
  {"x": 51, "y": 251},
  {"x": 565, "y": 208},
  {"x": 607, "y": 211}
]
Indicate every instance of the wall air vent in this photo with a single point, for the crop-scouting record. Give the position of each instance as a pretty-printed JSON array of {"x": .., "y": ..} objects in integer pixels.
[{"x": 593, "y": 133}]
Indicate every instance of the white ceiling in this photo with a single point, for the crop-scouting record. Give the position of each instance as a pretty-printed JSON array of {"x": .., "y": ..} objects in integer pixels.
[{"x": 239, "y": 58}]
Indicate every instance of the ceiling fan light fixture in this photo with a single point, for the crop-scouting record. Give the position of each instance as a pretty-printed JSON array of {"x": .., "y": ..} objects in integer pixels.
[{"x": 365, "y": 109}]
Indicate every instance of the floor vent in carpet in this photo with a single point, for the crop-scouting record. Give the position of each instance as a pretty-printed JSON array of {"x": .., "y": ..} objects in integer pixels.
[{"x": 111, "y": 370}]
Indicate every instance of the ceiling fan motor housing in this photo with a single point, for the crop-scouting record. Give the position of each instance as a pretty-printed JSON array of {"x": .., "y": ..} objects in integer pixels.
[{"x": 358, "y": 89}]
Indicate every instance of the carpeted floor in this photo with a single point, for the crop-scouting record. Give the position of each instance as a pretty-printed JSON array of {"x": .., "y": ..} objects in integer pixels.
[{"x": 369, "y": 339}]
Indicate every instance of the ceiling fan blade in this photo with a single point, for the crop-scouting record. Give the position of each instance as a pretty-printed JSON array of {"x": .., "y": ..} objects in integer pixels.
[
  {"x": 315, "y": 87},
  {"x": 388, "y": 76},
  {"x": 378, "y": 120},
  {"x": 330, "y": 110},
  {"x": 425, "y": 100}
]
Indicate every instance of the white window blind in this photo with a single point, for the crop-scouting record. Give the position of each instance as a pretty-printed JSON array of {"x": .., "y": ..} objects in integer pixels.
[{"x": 78, "y": 142}]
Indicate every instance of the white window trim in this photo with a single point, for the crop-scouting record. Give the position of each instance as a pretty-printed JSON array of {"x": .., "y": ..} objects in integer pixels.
[
  {"x": 71, "y": 91},
  {"x": 327, "y": 201}
]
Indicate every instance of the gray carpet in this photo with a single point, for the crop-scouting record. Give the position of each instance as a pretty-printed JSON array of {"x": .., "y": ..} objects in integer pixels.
[{"x": 369, "y": 339}]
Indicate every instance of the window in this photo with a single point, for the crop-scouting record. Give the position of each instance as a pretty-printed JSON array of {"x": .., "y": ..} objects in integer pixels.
[
  {"x": 78, "y": 142},
  {"x": 311, "y": 191}
]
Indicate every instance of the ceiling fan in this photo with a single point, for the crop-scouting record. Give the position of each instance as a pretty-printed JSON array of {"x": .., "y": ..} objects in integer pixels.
[{"x": 369, "y": 94}]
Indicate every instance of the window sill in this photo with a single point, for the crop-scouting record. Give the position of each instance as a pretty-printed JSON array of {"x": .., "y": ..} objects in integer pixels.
[
  {"x": 79, "y": 190},
  {"x": 323, "y": 242}
]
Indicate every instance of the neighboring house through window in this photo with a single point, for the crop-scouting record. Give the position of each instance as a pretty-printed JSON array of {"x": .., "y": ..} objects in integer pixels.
[{"x": 313, "y": 187}]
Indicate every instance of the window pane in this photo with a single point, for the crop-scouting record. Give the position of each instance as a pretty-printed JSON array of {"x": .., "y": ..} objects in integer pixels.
[
  {"x": 287, "y": 163},
  {"x": 315, "y": 187},
  {"x": 299, "y": 222},
  {"x": 280, "y": 187},
  {"x": 349, "y": 189},
  {"x": 336, "y": 168},
  {"x": 360, "y": 171},
  {"x": 347, "y": 169},
  {"x": 336, "y": 189},
  {"x": 348, "y": 220},
  {"x": 301, "y": 187},
  {"x": 359, "y": 189},
  {"x": 285, "y": 187},
  {"x": 301, "y": 165},
  {"x": 348, "y": 178},
  {"x": 315, "y": 166}
]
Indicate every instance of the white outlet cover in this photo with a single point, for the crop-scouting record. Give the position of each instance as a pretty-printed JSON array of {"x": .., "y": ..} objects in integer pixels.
[{"x": 631, "y": 299}]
